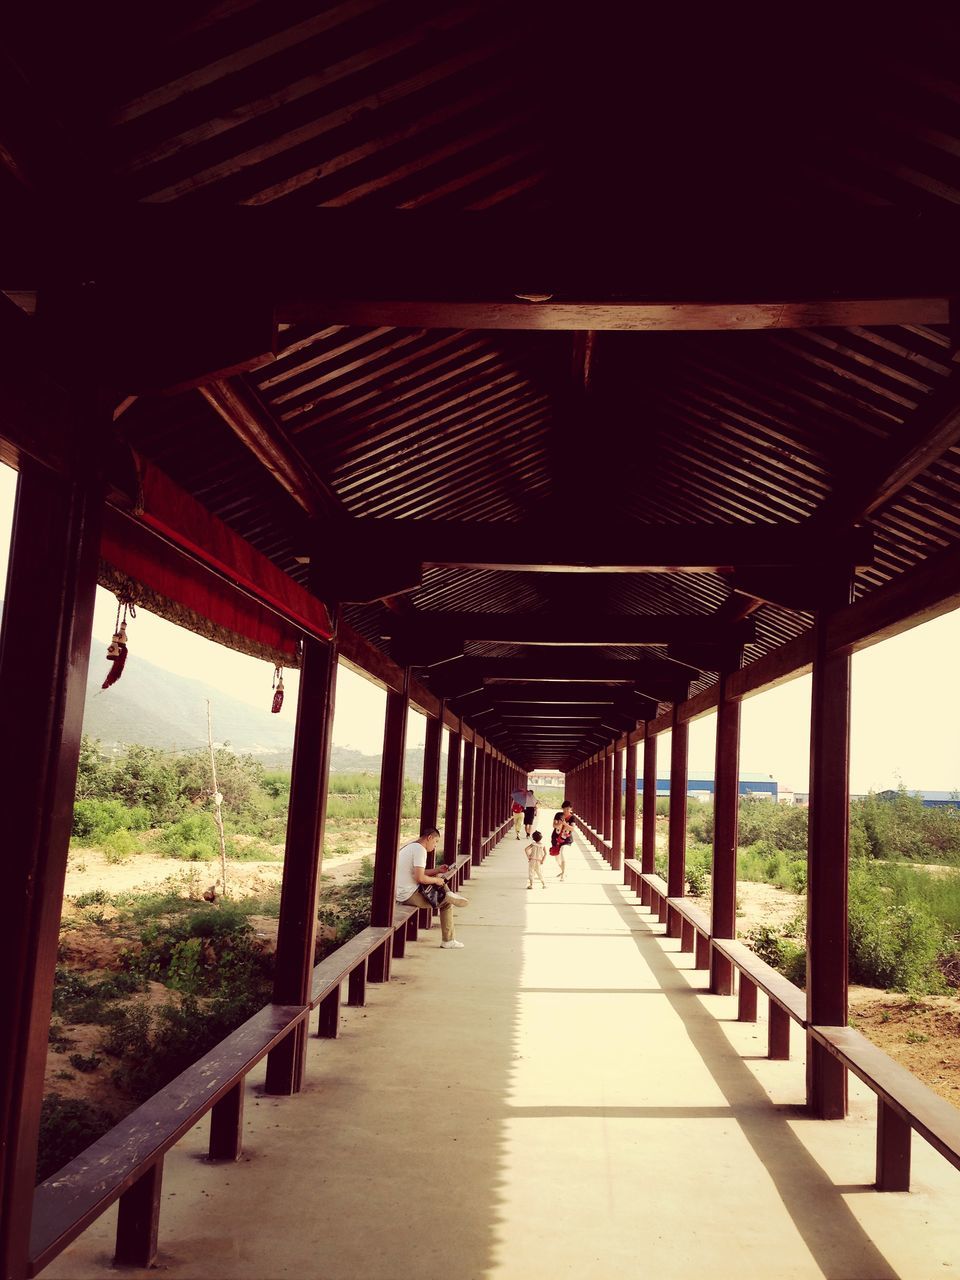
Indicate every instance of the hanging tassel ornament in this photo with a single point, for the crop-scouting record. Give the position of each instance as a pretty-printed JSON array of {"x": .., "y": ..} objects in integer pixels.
[
  {"x": 117, "y": 653},
  {"x": 278, "y": 689}
]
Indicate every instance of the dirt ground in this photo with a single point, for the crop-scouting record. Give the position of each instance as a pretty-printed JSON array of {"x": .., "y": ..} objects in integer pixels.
[{"x": 923, "y": 1034}]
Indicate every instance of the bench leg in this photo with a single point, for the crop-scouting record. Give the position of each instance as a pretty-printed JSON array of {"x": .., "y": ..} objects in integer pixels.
[
  {"x": 400, "y": 942},
  {"x": 662, "y": 910},
  {"x": 425, "y": 917},
  {"x": 378, "y": 966},
  {"x": 357, "y": 986},
  {"x": 778, "y": 1032},
  {"x": 226, "y": 1125},
  {"x": 721, "y": 980},
  {"x": 674, "y": 920},
  {"x": 644, "y": 894},
  {"x": 747, "y": 1001},
  {"x": 328, "y": 1028},
  {"x": 138, "y": 1222},
  {"x": 413, "y": 927},
  {"x": 686, "y": 935},
  {"x": 702, "y": 960},
  {"x": 893, "y": 1149}
]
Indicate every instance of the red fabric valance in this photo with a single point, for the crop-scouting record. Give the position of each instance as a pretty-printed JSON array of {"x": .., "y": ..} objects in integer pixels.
[{"x": 203, "y": 575}]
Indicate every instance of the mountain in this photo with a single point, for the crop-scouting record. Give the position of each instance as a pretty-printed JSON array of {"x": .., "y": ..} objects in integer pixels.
[{"x": 158, "y": 708}]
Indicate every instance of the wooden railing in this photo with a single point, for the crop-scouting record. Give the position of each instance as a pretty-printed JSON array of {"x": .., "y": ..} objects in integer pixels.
[
  {"x": 126, "y": 1164},
  {"x": 904, "y": 1104}
]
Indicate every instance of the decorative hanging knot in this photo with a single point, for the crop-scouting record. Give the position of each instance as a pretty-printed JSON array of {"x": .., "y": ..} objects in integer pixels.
[
  {"x": 277, "y": 686},
  {"x": 117, "y": 652}
]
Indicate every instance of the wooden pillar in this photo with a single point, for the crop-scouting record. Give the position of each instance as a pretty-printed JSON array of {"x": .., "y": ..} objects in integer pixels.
[
  {"x": 676, "y": 862},
  {"x": 303, "y": 857},
  {"x": 827, "y": 856},
  {"x": 479, "y": 801},
  {"x": 388, "y": 823},
  {"x": 648, "y": 843},
  {"x": 466, "y": 812},
  {"x": 606, "y": 773},
  {"x": 51, "y": 579},
  {"x": 726, "y": 808},
  {"x": 630, "y": 804},
  {"x": 430, "y": 785},
  {"x": 452, "y": 802},
  {"x": 616, "y": 815}
]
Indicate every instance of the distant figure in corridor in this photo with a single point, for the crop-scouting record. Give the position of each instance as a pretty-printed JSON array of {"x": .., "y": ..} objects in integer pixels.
[
  {"x": 412, "y": 873},
  {"x": 557, "y": 843},
  {"x": 517, "y": 813},
  {"x": 530, "y": 807},
  {"x": 535, "y": 855}
]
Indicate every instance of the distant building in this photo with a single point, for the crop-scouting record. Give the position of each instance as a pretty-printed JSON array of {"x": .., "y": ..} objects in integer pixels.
[
  {"x": 930, "y": 799},
  {"x": 760, "y": 785},
  {"x": 545, "y": 778}
]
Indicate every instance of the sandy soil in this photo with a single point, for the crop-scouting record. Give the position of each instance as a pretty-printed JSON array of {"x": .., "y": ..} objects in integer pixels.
[{"x": 922, "y": 1034}]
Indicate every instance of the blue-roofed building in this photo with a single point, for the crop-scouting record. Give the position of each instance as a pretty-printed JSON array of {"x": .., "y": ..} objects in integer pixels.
[
  {"x": 930, "y": 799},
  {"x": 762, "y": 785}
]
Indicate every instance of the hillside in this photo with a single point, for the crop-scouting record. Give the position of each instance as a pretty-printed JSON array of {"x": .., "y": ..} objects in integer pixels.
[{"x": 158, "y": 708}]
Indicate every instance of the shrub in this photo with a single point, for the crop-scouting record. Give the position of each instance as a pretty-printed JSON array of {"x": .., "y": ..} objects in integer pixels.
[
  {"x": 119, "y": 846},
  {"x": 95, "y": 820},
  {"x": 85, "y": 1064},
  {"x": 193, "y": 837},
  {"x": 892, "y": 944},
  {"x": 67, "y": 1127},
  {"x": 92, "y": 898}
]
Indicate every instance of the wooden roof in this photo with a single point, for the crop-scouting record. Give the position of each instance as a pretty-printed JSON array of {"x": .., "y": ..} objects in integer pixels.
[{"x": 457, "y": 301}]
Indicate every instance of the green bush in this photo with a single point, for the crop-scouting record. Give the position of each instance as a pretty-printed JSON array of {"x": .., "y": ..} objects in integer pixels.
[
  {"x": 119, "y": 846},
  {"x": 193, "y": 837},
  {"x": 892, "y": 944},
  {"x": 698, "y": 866},
  {"x": 95, "y": 820},
  {"x": 781, "y": 952},
  {"x": 67, "y": 1127}
]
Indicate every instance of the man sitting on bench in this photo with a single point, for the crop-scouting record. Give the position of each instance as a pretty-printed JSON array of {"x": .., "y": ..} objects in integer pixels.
[{"x": 412, "y": 872}]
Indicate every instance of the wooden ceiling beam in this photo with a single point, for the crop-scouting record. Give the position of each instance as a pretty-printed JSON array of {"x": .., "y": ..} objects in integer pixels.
[
  {"x": 251, "y": 421},
  {"x": 627, "y": 547},
  {"x": 548, "y": 630}
]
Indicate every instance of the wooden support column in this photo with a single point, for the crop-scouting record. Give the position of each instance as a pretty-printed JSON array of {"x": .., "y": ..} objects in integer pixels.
[
  {"x": 630, "y": 806},
  {"x": 827, "y": 858},
  {"x": 430, "y": 795},
  {"x": 648, "y": 844},
  {"x": 452, "y": 801},
  {"x": 388, "y": 824},
  {"x": 616, "y": 815},
  {"x": 726, "y": 809},
  {"x": 303, "y": 858},
  {"x": 479, "y": 802},
  {"x": 676, "y": 864},
  {"x": 51, "y": 580},
  {"x": 606, "y": 774},
  {"x": 466, "y": 811}
]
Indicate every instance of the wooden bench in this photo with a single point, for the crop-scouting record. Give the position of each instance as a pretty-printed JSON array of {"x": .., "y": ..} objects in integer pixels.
[
  {"x": 904, "y": 1103},
  {"x": 694, "y": 930},
  {"x": 348, "y": 961},
  {"x": 127, "y": 1162},
  {"x": 786, "y": 1000}
]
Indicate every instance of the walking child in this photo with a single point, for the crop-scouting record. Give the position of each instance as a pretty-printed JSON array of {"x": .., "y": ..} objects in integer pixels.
[
  {"x": 559, "y": 838},
  {"x": 535, "y": 855}
]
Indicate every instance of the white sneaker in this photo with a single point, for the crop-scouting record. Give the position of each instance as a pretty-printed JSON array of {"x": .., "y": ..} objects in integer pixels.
[
  {"x": 451, "y": 944},
  {"x": 457, "y": 899}
]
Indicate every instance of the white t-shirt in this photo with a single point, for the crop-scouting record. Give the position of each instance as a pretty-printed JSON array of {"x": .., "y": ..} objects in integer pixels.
[{"x": 410, "y": 856}]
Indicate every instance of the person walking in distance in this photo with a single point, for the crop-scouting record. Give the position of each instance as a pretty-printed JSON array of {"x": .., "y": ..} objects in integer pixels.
[
  {"x": 535, "y": 855},
  {"x": 530, "y": 807},
  {"x": 412, "y": 873},
  {"x": 517, "y": 815}
]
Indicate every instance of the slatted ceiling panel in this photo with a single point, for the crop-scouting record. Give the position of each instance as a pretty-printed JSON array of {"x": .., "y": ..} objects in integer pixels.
[{"x": 479, "y": 591}]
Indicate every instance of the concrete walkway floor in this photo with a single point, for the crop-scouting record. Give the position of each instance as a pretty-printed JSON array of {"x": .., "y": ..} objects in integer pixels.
[{"x": 557, "y": 1099}]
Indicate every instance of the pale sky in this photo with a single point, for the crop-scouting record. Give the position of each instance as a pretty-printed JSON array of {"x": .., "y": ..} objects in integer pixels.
[{"x": 906, "y": 699}]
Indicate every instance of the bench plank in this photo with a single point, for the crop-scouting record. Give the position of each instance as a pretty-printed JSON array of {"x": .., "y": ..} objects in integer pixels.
[
  {"x": 694, "y": 915},
  {"x": 777, "y": 987},
  {"x": 935, "y": 1119},
  {"x": 68, "y": 1201},
  {"x": 332, "y": 970}
]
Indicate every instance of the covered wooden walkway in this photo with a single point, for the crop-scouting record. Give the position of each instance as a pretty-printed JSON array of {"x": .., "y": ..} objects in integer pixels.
[{"x": 562, "y": 1097}]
